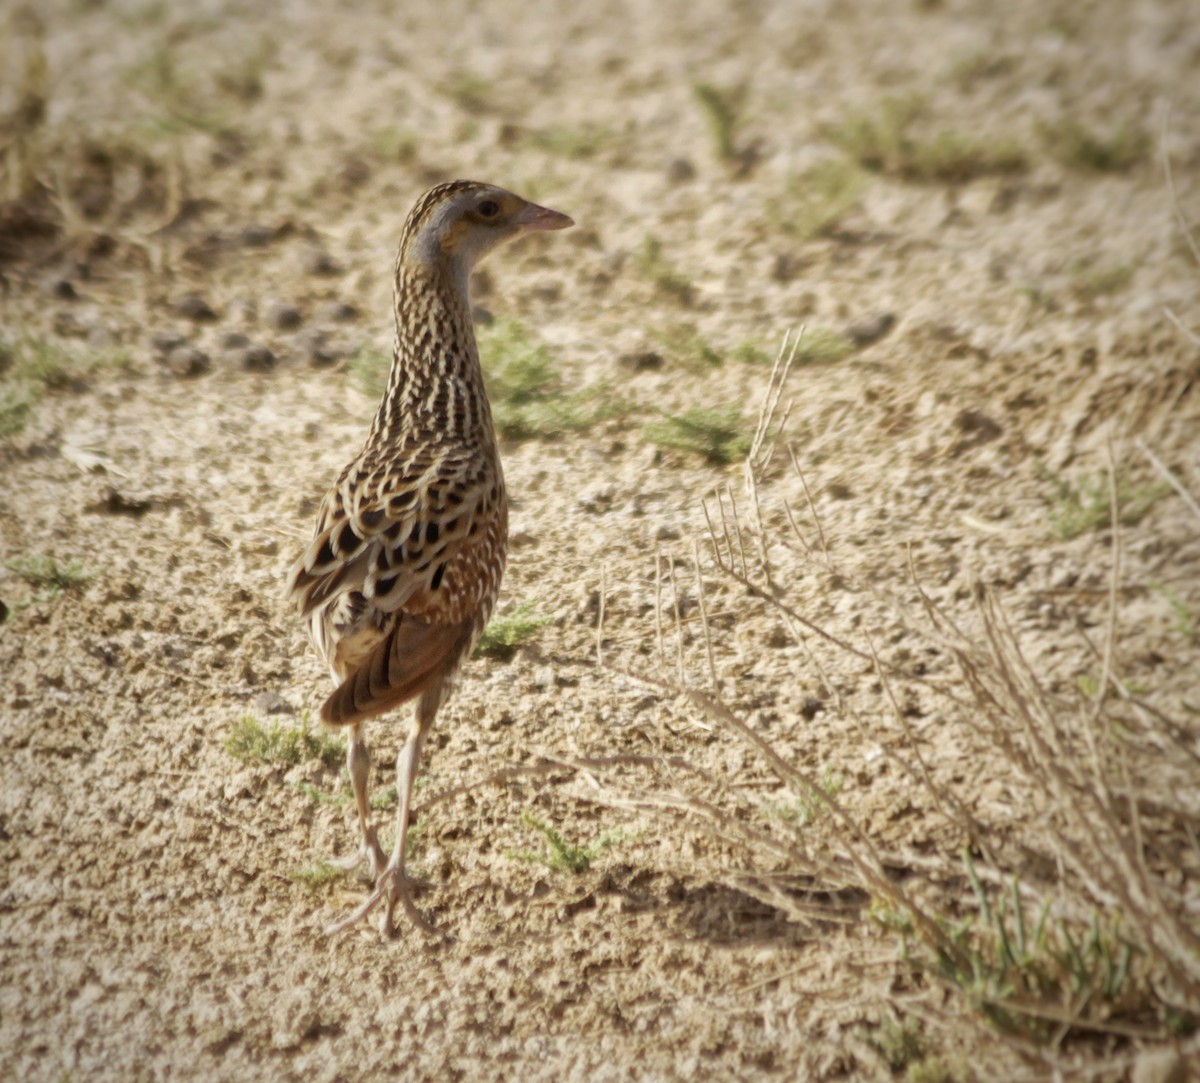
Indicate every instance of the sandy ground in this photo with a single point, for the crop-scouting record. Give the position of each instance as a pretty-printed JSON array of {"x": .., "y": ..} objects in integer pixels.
[{"x": 234, "y": 185}]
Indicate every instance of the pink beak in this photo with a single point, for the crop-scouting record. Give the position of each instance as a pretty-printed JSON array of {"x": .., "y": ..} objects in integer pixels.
[{"x": 533, "y": 218}]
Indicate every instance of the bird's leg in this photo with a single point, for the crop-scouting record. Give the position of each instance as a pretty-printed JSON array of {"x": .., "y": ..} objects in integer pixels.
[
  {"x": 393, "y": 885},
  {"x": 393, "y": 880},
  {"x": 358, "y": 764},
  {"x": 358, "y": 760}
]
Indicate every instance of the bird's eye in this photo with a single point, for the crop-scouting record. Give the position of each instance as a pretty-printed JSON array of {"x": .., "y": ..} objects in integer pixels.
[{"x": 489, "y": 208}]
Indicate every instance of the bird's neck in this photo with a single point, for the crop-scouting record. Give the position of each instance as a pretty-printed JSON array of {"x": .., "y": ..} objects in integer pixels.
[{"x": 435, "y": 383}]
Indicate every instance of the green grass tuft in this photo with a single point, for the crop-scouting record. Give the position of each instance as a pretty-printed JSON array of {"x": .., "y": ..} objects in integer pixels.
[
  {"x": 822, "y": 345},
  {"x": 804, "y": 809},
  {"x": 1090, "y": 279},
  {"x": 335, "y": 798},
  {"x": 721, "y": 113},
  {"x": 526, "y": 391},
  {"x": 252, "y": 742},
  {"x": 394, "y": 144},
  {"x": 1086, "y": 504},
  {"x": 666, "y": 278},
  {"x": 1187, "y": 624},
  {"x": 30, "y": 367},
  {"x": 574, "y": 142},
  {"x": 883, "y": 141},
  {"x": 49, "y": 579},
  {"x": 468, "y": 91},
  {"x": 719, "y": 434},
  {"x": 369, "y": 369},
  {"x": 504, "y": 635},
  {"x": 689, "y": 346},
  {"x": 563, "y": 856},
  {"x": 1010, "y": 963},
  {"x": 1081, "y": 147},
  {"x": 817, "y": 199},
  {"x": 317, "y": 876}
]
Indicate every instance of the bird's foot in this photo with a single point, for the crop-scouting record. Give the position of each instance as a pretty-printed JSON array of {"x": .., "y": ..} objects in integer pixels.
[
  {"x": 391, "y": 887},
  {"x": 369, "y": 851}
]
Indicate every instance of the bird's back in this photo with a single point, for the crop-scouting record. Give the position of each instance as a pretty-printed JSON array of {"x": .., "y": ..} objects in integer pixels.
[{"x": 409, "y": 548}]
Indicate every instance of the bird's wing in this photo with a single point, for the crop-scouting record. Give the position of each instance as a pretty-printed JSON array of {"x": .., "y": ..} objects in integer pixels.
[{"x": 390, "y": 536}]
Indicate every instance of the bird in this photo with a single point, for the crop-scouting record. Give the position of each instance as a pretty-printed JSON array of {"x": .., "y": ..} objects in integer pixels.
[{"x": 408, "y": 551}]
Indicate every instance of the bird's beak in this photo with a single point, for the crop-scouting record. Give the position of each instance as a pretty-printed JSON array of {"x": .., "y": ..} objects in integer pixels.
[{"x": 532, "y": 218}]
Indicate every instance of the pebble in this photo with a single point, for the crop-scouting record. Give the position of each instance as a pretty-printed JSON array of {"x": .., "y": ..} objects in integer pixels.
[
  {"x": 234, "y": 340},
  {"x": 193, "y": 307},
  {"x": 69, "y": 325},
  {"x": 254, "y": 358},
  {"x": 871, "y": 330},
  {"x": 318, "y": 351},
  {"x": 353, "y": 173},
  {"x": 62, "y": 290},
  {"x": 255, "y": 236},
  {"x": 272, "y": 703},
  {"x": 337, "y": 312},
  {"x": 316, "y": 261},
  {"x": 166, "y": 341},
  {"x": 680, "y": 171},
  {"x": 641, "y": 361},
  {"x": 282, "y": 316},
  {"x": 187, "y": 361}
]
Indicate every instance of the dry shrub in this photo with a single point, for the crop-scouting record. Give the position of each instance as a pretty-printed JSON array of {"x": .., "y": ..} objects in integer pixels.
[{"x": 1063, "y": 933}]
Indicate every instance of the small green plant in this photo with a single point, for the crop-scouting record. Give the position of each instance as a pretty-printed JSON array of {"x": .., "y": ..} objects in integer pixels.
[
  {"x": 1089, "y": 685},
  {"x": 1186, "y": 622},
  {"x": 883, "y": 141},
  {"x": 982, "y": 64},
  {"x": 1017, "y": 973},
  {"x": 899, "y": 1040},
  {"x": 822, "y": 346},
  {"x": 369, "y": 369},
  {"x": 252, "y": 742},
  {"x": 387, "y": 797},
  {"x": 16, "y": 408},
  {"x": 30, "y": 367},
  {"x": 1080, "y": 147},
  {"x": 393, "y": 144},
  {"x": 468, "y": 91},
  {"x": 685, "y": 343},
  {"x": 317, "y": 876},
  {"x": 49, "y": 579},
  {"x": 720, "y": 108},
  {"x": 1087, "y": 504},
  {"x": 751, "y": 353},
  {"x": 574, "y": 142},
  {"x": 718, "y": 434},
  {"x": 666, "y": 278},
  {"x": 335, "y": 798},
  {"x": 804, "y": 809},
  {"x": 505, "y": 634},
  {"x": 562, "y": 856},
  {"x": 384, "y": 799},
  {"x": 526, "y": 391},
  {"x": 1090, "y": 279},
  {"x": 173, "y": 93},
  {"x": 816, "y": 199}
]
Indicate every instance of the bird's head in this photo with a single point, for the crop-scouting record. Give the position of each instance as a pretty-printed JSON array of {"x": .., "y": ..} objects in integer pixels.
[{"x": 454, "y": 225}]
